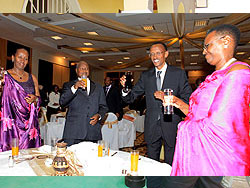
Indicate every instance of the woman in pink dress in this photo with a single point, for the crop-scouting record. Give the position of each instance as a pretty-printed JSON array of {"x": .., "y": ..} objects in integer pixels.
[{"x": 214, "y": 138}]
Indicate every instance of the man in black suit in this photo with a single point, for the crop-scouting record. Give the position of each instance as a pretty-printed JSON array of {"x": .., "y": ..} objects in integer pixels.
[
  {"x": 113, "y": 98},
  {"x": 156, "y": 129},
  {"x": 86, "y": 106}
]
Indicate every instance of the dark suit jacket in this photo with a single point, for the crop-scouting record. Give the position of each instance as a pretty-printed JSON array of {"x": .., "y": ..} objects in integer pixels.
[
  {"x": 114, "y": 101},
  {"x": 175, "y": 79},
  {"x": 81, "y": 107}
]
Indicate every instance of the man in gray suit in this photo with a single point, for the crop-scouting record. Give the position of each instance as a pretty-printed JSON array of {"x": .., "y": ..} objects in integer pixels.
[
  {"x": 86, "y": 106},
  {"x": 157, "y": 129}
]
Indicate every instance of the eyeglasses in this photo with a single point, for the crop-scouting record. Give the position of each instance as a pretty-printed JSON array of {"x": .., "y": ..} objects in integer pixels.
[
  {"x": 155, "y": 54},
  {"x": 205, "y": 46}
]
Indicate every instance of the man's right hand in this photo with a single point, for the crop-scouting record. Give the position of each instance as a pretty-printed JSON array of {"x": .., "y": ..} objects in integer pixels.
[
  {"x": 79, "y": 83},
  {"x": 123, "y": 80}
]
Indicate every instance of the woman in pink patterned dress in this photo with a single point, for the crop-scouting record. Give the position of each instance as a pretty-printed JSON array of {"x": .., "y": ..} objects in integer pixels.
[{"x": 214, "y": 138}]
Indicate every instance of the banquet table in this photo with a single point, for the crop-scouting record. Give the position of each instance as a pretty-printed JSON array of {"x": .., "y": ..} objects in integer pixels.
[{"x": 117, "y": 164}]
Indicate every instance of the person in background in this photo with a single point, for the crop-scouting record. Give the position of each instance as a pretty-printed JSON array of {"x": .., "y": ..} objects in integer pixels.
[
  {"x": 215, "y": 133},
  {"x": 113, "y": 98},
  {"x": 53, "y": 105},
  {"x": 44, "y": 96},
  {"x": 86, "y": 107},
  {"x": 20, "y": 105},
  {"x": 151, "y": 82}
]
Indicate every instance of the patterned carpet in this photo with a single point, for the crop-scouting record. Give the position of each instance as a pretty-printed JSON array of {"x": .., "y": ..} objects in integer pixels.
[{"x": 140, "y": 145}]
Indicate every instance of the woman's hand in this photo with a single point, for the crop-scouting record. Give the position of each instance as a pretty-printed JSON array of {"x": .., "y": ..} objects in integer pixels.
[
  {"x": 31, "y": 98},
  {"x": 178, "y": 103}
]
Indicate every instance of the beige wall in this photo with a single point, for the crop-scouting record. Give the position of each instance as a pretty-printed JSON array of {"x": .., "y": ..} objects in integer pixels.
[
  {"x": 8, "y": 6},
  {"x": 101, "y": 6},
  {"x": 165, "y": 6},
  {"x": 60, "y": 66}
]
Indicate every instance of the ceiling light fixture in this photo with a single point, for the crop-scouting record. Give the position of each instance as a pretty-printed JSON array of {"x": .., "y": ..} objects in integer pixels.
[
  {"x": 199, "y": 23},
  {"x": 45, "y": 19},
  {"x": 126, "y": 57},
  {"x": 92, "y": 33},
  {"x": 194, "y": 55},
  {"x": 87, "y": 43},
  {"x": 240, "y": 53},
  {"x": 56, "y": 37},
  {"x": 148, "y": 27},
  {"x": 85, "y": 51},
  {"x": 137, "y": 66},
  {"x": 119, "y": 62},
  {"x": 100, "y": 59},
  {"x": 193, "y": 63}
]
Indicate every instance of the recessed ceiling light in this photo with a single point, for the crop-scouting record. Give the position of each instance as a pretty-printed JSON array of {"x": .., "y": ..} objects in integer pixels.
[
  {"x": 194, "y": 55},
  {"x": 87, "y": 43},
  {"x": 85, "y": 51},
  {"x": 178, "y": 60},
  {"x": 240, "y": 53},
  {"x": 193, "y": 63},
  {"x": 119, "y": 62},
  {"x": 100, "y": 59},
  {"x": 92, "y": 33},
  {"x": 199, "y": 23},
  {"x": 126, "y": 57},
  {"x": 148, "y": 27},
  {"x": 56, "y": 37},
  {"x": 137, "y": 66}
]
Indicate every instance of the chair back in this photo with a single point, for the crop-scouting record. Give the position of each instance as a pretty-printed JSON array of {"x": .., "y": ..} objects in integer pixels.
[{"x": 110, "y": 131}]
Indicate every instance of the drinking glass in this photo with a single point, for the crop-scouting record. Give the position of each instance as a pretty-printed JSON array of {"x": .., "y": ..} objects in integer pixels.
[
  {"x": 168, "y": 101},
  {"x": 84, "y": 79},
  {"x": 2, "y": 72},
  {"x": 106, "y": 149},
  {"x": 53, "y": 144},
  {"x": 101, "y": 148},
  {"x": 128, "y": 83},
  {"x": 15, "y": 147},
  {"x": 134, "y": 162}
]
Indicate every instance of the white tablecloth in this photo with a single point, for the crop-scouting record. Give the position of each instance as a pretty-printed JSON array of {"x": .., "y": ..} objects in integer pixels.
[{"x": 86, "y": 152}]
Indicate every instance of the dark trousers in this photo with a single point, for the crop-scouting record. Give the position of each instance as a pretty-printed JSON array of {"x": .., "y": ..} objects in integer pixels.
[{"x": 153, "y": 151}]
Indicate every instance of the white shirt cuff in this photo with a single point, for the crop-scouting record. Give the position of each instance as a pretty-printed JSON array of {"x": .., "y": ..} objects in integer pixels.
[
  {"x": 73, "y": 89},
  {"x": 124, "y": 94}
]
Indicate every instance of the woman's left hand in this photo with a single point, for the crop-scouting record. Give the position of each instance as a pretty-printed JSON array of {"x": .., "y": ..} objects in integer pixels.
[{"x": 30, "y": 98}]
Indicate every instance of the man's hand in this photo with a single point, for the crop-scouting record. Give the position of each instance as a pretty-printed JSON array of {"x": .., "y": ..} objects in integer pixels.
[
  {"x": 80, "y": 83},
  {"x": 123, "y": 80},
  {"x": 94, "y": 119},
  {"x": 159, "y": 95}
]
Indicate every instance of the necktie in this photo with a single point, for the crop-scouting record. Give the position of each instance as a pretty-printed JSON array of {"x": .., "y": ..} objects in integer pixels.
[
  {"x": 107, "y": 89},
  {"x": 158, "y": 80}
]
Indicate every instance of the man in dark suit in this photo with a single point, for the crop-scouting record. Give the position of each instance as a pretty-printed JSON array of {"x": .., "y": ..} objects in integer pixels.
[
  {"x": 86, "y": 106},
  {"x": 156, "y": 129},
  {"x": 113, "y": 98}
]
